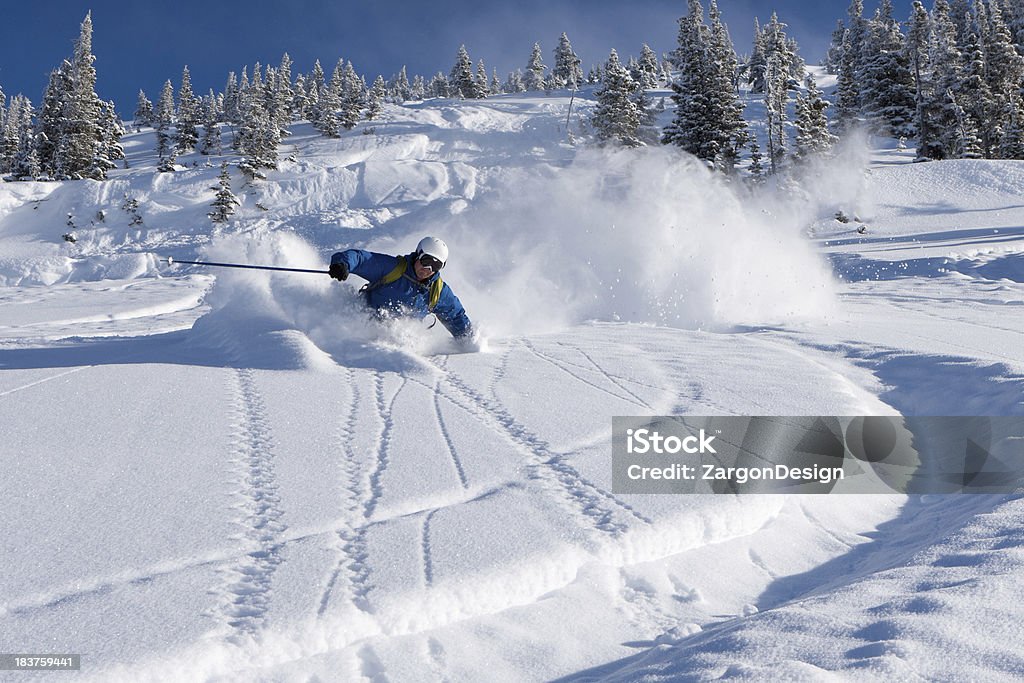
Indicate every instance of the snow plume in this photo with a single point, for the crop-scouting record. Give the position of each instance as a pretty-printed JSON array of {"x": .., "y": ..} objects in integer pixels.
[
  {"x": 634, "y": 235},
  {"x": 254, "y": 312}
]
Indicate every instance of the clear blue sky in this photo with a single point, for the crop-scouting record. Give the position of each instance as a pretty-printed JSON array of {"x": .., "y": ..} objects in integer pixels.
[{"x": 142, "y": 44}]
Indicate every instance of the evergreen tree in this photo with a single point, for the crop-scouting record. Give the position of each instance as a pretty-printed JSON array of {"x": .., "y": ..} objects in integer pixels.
[
  {"x": 461, "y": 82},
  {"x": 535, "y": 69},
  {"x": 25, "y": 161},
  {"x": 439, "y": 86},
  {"x": 375, "y": 99},
  {"x": 887, "y": 83},
  {"x": 756, "y": 167},
  {"x": 483, "y": 89},
  {"x": 165, "y": 149},
  {"x": 79, "y": 148},
  {"x": 231, "y": 96},
  {"x": 847, "y": 90},
  {"x": 143, "y": 111},
  {"x": 111, "y": 132},
  {"x": 567, "y": 72},
  {"x": 10, "y": 119},
  {"x": 401, "y": 90},
  {"x": 211, "y": 143},
  {"x": 50, "y": 118},
  {"x": 616, "y": 117},
  {"x": 776, "y": 86},
  {"x": 188, "y": 115},
  {"x": 833, "y": 57},
  {"x": 947, "y": 74},
  {"x": 515, "y": 83},
  {"x": 418, "y": 90},
  {"x": 329, "y": 103},
  {"x": 916, "y": 46},
  {"x": 315, "y": 87},
  {"x": 495, "y": 88},
  {"x": 708, "y": 121},
  {"x": 813, "y": 137},
  {"x": 225, "y": 201},
  {"x": 648, "y": 68},
  {"x": 352, "y": 98}
]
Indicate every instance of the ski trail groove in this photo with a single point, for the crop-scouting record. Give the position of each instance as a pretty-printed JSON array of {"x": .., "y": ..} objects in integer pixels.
[
  {"x": 619, "y": 382},
  {"x": 428, "y": 563},
  {"x": 595, "y": 506},
  {"x": 352, "y": 569},
  {"x": 446, "y": 434},
  {"x": 250, "y": 581},
  {"x": 384, "y": 409},
  {"x": 563, "y": 367}
]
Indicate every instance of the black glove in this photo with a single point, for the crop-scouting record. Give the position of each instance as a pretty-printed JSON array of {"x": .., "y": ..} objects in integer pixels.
[{"x": 339, "y": 271}]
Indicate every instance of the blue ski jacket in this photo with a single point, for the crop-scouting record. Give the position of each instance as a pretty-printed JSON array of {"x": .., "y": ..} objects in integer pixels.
[{"x": 406, "y": 294}]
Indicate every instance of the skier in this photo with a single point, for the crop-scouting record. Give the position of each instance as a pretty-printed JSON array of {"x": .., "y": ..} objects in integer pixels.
[{"x": 402, "y": 285}]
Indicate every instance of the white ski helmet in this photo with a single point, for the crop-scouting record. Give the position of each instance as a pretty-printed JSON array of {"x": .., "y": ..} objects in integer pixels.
[{"x": 431, "y": 246}]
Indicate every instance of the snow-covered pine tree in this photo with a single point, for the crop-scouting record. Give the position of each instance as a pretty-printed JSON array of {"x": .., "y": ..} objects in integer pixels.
[
  {"x": 353, "y": 98},
  {"x": 461, "y": 81},
  {"x": 284, "y": 95},
  {"x": 886, "y": 80},
  {"x": 708, "y": 121},
  {"x": 567, "y": 72},
  {"x": 188, "y": 115},
  {"x": 25, "y": 162},
  {"x": 79, "y": 150},
  {"x": 50, "y": 119},
  {"x": 211, "y": 142},
  {"x": 495, "y": 87},
  {"x": 535, "y": 70},
  {"x": 648, "y": 68},
  {"x": 813, "y": 137},
  {"x": 965, "y": 141},
  {"x": 439, "y": 86},
  {"x": 947, "y": 75},
  {"x": 975, "y": 97},
  {"x": 257, "y": 133},
  {"x": 230, "y": 105},
  {"x": 847, "y": 90},
  {"x": 329, "y": 103},
  {"x": 758, "y": 62},
  {"x": 483, "y": 88},
  {"x": 515, "y": 83},
  {"x": 835, "y": 49},
  {"x": 375, "y": 98},
  {"x": 111, "y": 132},
  {"x": 756, "y": 167},
  {"x": 166, "y": 150},
  {"x": 399, "y": 89},
  {"x": 143, "y": 111},
  {"x": 1004, "y": 74},
  {"x": 616, "y": 117},
  {"x": 776, "y": 88},
  {"x": 315, "y": 87},
  {"x": 224, "y": 201},
  {"x": 9, "y": 119},
  {"x": 690, "y": 128},
  {"x": 1011, "y": 145},
  {"x": 418, "y": 91}
]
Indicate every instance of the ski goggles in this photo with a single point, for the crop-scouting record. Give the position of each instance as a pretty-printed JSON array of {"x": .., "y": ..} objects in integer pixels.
[{"x": 428, "y": 261}]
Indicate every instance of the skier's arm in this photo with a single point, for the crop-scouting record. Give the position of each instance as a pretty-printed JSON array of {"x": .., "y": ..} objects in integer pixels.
[
  {"x": 452, "y": 314},
  {"x": 368, "y": 265}
]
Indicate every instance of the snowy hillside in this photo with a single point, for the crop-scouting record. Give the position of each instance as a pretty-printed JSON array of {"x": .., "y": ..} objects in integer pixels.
[{"x": 214, "y": 474}]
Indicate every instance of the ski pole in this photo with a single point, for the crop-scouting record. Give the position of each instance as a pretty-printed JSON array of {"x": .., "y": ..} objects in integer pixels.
[{"x": 170, "y": 261}]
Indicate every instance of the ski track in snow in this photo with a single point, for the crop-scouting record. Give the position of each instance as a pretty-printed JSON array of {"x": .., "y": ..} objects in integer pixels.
[
  {"x": 596, "y": 507},
  {"x": 353, "y": 569},
  {"x": 249, "y": 582}
]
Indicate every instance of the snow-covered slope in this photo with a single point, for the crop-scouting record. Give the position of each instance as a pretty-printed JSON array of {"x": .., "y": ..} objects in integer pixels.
[{"x": 234, "y": 475}]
